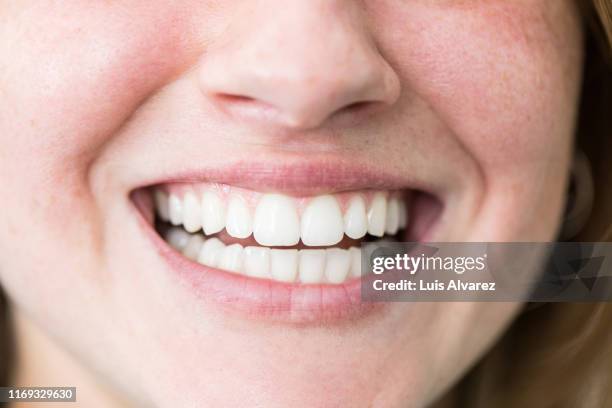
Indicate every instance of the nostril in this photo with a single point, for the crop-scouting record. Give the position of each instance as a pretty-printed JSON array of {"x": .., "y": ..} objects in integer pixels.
[
  {"x": 229, "y": 98},
  {"x": 356, "y": 107},
  {"x": 307, "y": 113},
  {"x": 245, "y": 106},
  {"x": 357, "y": 111}
]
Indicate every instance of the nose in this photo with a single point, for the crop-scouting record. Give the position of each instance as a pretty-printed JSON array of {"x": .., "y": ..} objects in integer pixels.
[{"x": 297, "y": 63}]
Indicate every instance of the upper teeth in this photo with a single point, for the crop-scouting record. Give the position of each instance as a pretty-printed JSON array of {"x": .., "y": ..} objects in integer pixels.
[{"x": 281, "y": 220}]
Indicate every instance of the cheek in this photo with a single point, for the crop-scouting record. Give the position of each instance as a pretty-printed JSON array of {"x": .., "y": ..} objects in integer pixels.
[
  {"x": 502, "y": 76},
  {"x": 79, "y": 72},
  {"x": 69, "y": 83}
]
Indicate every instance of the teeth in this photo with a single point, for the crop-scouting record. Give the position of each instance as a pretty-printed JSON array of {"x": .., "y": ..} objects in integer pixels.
[
  {"x": 276, "y": 221},
  {"x": 312, "y": 265},
  {"x": 322, "y": 223},
  {"x": 355, "y": 262},
  {"x": 403, "y": 215},
  {"x": 377, "y": 215},
  {"x": 232, "y": 258},
  {"x": 238, "y": 220},
  {"x": 175, "y": 210},
  {"x": 257, "y": 261},
  {"x": 392, "y": 222},
  {"x": 177, "y": 238},
  {"x": 192, "y": 219},
  {"x": 337, "y": 265},
  {"x": 161, "y": 205},
  {"x": 355, "y": 218},
  {"x": 210, "y": 253},
  {"x": 307, "y": 266},
  {"x": 284, "y": 264},
  {"x": 213, "y": 213},
  {"x": 192, "y": 249}
]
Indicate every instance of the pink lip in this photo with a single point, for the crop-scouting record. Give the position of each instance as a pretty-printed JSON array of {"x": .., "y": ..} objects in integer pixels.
[
  {"x": 266, "y": 299},
  {"x": 300, "y": 177}
]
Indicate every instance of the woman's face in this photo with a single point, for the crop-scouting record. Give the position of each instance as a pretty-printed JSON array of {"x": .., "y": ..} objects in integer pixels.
[{"x": 464, "y": 108}]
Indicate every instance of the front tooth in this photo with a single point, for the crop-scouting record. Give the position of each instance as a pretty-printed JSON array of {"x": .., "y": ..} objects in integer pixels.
[
  {"x": 161, "y": 204},
  {"x": 337, "y": 265},
  {"x": 322, "y": 222},
  {"x": 232, "y": 258},
  {"x": 377, "y": 215},
  {"x": 276, "y": 222},
  {"x": 257, "y": 261},
  {"x": 284, "y": 264},
  {"x": 355, "y": 261},
  {"x": 175, "y": 209},
  {"x": 238, "y": 222},
  {"x": 192, "y": 219},
  {"x": 193, "y": 247},
  {"x": 392, "y": 222},
  {"x": 177, "y": 238},
  {"x": 403, "y": 215},
  {"x": 210, "y": 253},
  {"x": 213, "y": 213},
  {"x": 312, "y": 265},
  {"x": 355, "y": 218}
]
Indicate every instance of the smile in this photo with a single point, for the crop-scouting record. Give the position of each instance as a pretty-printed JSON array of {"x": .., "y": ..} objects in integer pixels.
[
  {"x": 308, "y": 240},
  {"x": 282, "y": 243}
]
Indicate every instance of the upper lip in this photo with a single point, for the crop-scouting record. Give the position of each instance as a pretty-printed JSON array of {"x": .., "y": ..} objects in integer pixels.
[{"x": 301, "y": 178}]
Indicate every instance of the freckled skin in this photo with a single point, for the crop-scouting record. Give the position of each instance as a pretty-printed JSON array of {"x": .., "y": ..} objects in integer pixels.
[{"x": 478, "y": 97}]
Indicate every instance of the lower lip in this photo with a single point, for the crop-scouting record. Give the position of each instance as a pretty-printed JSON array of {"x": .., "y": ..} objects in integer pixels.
[{"x": 262, "y": 298}]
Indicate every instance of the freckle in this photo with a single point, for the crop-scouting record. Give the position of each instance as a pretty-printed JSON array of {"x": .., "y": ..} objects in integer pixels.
[{"x": 12, "y": 229}]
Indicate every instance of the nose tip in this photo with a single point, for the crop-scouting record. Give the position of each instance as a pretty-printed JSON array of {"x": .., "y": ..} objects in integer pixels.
[
  {"x": 302, "y": 101},
  {"x": 286, "y": 72}
]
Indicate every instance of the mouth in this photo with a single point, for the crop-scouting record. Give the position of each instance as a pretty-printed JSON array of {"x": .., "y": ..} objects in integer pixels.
[{"x": 275, "y": 249}]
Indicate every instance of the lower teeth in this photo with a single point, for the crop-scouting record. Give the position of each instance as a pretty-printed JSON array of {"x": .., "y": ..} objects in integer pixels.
[{"x": 306, "y": 266}]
